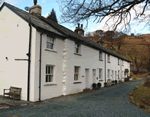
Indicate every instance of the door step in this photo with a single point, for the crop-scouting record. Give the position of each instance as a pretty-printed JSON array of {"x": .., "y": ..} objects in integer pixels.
[{"x": 87, "y": 89}]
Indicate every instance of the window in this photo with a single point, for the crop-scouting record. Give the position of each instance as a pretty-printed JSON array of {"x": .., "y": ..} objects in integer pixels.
[
  {"x": 118, "y": 61},
  {"x": 100, "y": 55},
  {"x": 108, "y": 58},
  {"x": 50, "y": 42},
  {"x": 49, "y": 73},
  {"x": 77, "y": 48},
  {"x": 108, "y": 73},
  {"x": 100, "y": 73},
  {"x": 76, "y": 73}
]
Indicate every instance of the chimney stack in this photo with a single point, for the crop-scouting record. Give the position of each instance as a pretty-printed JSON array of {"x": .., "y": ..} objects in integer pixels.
[
  {"x": 79, "y": 29},
  {"x": 37, "y": 9}
]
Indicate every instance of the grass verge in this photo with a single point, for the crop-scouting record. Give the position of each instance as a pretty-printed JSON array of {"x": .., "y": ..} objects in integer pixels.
[{"x": 140, "y": 96}]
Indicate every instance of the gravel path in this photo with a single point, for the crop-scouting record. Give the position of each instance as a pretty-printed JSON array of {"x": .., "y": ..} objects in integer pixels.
[{"x": 106, "y": 102}]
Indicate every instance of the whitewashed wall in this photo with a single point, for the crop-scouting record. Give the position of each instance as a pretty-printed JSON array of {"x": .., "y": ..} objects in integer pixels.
[
  {"x": 89, "y": 59},
  {"x": 14, "y": 39},
  {"x": 50, "y": 57},
  {"x": 113, "y": 65}
]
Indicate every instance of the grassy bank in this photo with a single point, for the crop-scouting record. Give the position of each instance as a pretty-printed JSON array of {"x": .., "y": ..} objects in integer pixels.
[
  {"x": 140, "y": 75},
  {"x": 141, "y": 96}
]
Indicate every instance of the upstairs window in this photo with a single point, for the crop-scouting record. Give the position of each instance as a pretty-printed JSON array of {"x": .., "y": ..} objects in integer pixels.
[
  {"x": 108, "y": 58},
  {"x": 77, "y": 48},
  {"x": 76, "y": 73},
  {"x": 49, "y": 73},
  {"x": 118, "y": 61},
  {"x": 50, "y": 42},
  {"x": 100, "y": 55}
]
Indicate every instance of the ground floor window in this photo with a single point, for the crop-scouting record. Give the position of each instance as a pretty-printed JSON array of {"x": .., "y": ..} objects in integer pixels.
[
  {"x": 76, "y": 73},
  {"x": 49, "y": 73}
]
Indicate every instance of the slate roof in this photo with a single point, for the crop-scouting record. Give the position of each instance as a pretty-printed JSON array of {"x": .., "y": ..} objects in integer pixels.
[{"x": 46, "y": 24}]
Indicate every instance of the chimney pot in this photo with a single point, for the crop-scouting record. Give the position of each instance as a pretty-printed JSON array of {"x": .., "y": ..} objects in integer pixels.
[
  {"x": 79, "y": 30},
  {"x": 37, "y": 9},
  {"x": 78, "y": 25},
  {"x": 81, "y": 26}
]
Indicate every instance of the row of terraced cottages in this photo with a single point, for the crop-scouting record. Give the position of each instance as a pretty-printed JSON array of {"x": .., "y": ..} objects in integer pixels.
[{"x": 47, "y": 60}]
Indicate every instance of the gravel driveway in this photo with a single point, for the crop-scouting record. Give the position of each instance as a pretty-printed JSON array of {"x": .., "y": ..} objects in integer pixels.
[{"x": 106, "y": 102}]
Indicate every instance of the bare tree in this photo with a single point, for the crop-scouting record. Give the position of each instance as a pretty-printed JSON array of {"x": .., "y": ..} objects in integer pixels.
[
  {"x": 138, "y": 54},
  {"x": 110, "y": 39},
  {"x": 118, "y": 11}
]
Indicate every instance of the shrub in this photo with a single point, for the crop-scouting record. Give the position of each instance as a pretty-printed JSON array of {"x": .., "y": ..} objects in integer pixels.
[
  {"x": 94, "y": 85},
  {"x": 99, "y": 85},
  {"x": 105, "y": 84}
]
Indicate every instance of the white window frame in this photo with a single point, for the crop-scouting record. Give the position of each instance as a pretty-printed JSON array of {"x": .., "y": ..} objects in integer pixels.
[
  {"x": 100, "y": 73},
  {"x": 100, "y": 55},
  {"x": 49, "y": 73},
  {"x": 77, "y": 47},
  {"x": 76, "y": 73},
  {"x": 50, "y": 42}
]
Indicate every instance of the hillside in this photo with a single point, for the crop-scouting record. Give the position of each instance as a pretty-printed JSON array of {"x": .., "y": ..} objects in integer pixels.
[{"x": 138, "y": 40}]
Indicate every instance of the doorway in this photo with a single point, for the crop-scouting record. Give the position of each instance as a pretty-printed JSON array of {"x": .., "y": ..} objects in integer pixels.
[
  {"x": 115, "y": 75},
  {"x": 86, "y": 78},
  {"x": 112, "y": 74},
  {"x": 94, "y": 75}
]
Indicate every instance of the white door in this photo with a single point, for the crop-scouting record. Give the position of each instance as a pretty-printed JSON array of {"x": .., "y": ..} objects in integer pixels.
[
  {"x": 94, "y": 75},
  {"x": 112, "y": 74},
  {"x": 115, "y": 75},
  {"x": 86, "y": 78}
]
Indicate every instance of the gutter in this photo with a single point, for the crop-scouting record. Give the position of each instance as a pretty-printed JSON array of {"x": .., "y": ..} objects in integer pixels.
[
  {"x": 29, "y": 61},
  {"x": 40, "y": 58}
]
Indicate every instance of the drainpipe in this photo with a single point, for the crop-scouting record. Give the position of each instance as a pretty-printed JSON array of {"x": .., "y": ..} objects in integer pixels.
[
  {"x": 40, "y": 58},
  {"x": 105, "y": 70},
  {"x": 29, "y": 61}
]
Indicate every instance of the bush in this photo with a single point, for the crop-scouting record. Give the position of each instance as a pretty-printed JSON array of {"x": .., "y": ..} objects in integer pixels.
[
  {"x": 105, "y": 84},
  {"x": 94, "y": 85},
  {"x": 135, "y": 72},
  {"x": 99, "y": 85}
]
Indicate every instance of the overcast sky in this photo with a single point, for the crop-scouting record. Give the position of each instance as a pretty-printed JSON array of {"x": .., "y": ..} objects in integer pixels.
[{"x": 47, "y": 6}]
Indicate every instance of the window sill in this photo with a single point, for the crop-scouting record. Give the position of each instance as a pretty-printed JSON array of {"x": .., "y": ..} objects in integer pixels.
[
  {"x": 77, "y": 82},
  {"x": 50, "y": 84},
  {"x": 51, "y": 50},
  {"x": 100, "y": 80},
  {"x": 77, "y": 54}
]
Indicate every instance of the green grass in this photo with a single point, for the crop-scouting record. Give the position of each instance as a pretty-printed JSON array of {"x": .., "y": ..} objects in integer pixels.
[{"x": 141, "y": 97}]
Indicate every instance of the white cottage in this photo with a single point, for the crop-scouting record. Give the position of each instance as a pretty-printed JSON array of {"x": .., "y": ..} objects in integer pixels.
[{"x": 48, "y": 60}]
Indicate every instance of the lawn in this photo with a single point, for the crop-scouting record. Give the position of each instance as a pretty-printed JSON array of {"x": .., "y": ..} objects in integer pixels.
[{"x": 141, "y": 96}]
